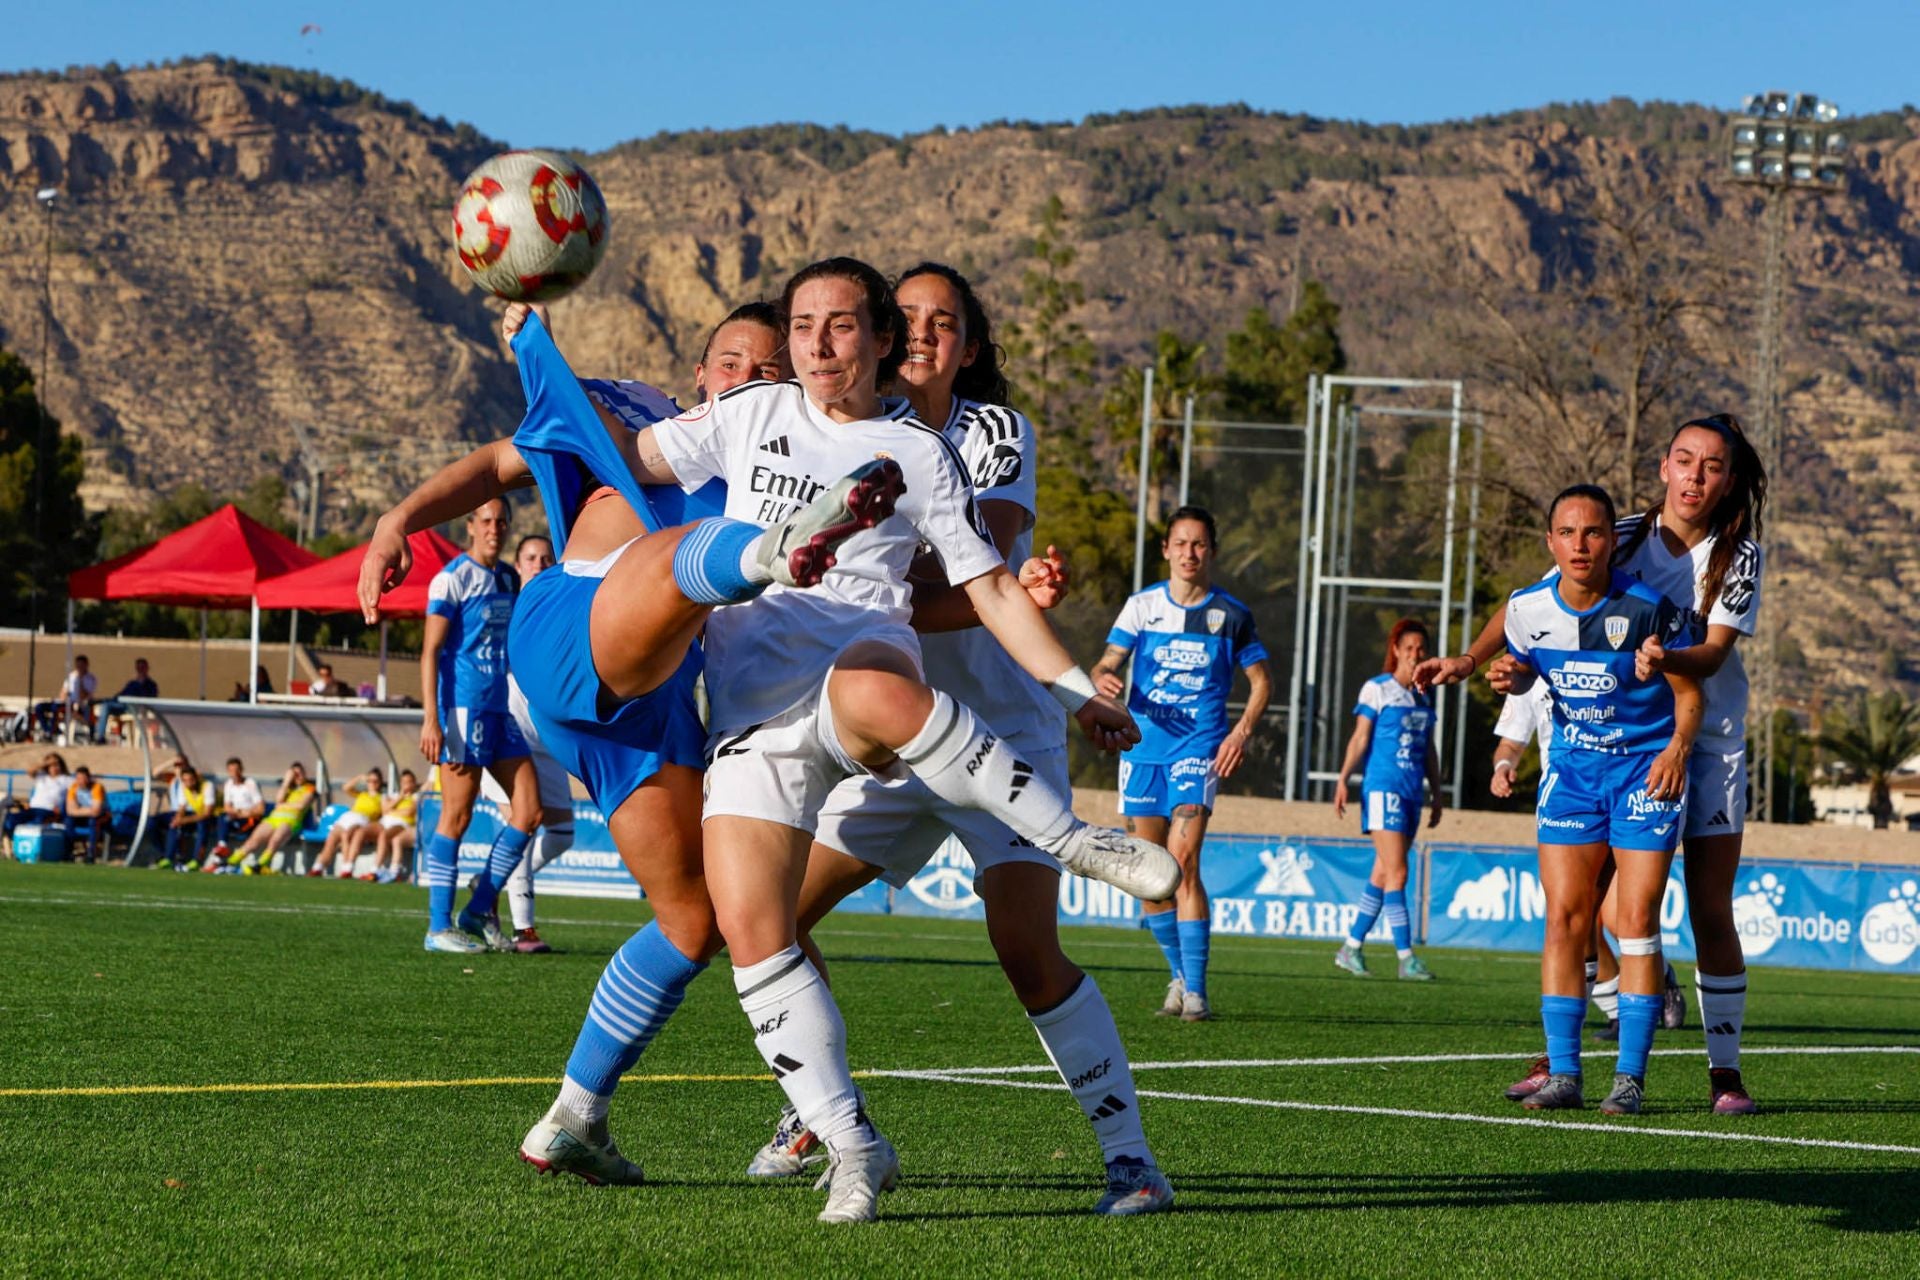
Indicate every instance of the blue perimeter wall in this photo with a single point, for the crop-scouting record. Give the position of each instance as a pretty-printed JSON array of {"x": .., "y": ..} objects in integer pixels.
[{"x": 1813, "y": 915}]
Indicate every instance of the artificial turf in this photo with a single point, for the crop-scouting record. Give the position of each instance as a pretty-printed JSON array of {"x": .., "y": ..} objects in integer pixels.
[{"x": 132, "y": 978}]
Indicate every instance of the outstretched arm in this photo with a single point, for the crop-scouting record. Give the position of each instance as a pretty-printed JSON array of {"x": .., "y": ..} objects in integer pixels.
[
  {"x": 1016, "y": 622},
  {"x": 453, "y": 491}
]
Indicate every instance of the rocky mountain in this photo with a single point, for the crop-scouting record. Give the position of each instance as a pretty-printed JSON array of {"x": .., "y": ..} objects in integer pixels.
[{"x": 240, "y": 249}]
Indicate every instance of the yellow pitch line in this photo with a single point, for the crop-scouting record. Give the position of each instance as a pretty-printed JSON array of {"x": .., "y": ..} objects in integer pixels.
[{"x": 324, "y": 1086}]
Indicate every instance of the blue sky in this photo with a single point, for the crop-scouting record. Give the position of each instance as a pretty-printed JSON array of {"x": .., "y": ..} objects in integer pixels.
[{"x": 589, "y": 73}]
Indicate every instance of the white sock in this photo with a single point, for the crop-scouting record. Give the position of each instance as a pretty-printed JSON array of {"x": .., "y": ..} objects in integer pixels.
[
  {"x": 1723, "y": 1012},
  {"x": 548, "y": 843},
  {"x": 966, "y": 763},
  {"x": 750, "y": 567},
  {"x": 1606, "y": 995},
  {"x": 1593, "y": 971},
  {"x": 588, "y": 1105},
  {"x": 798, "y": 1030},
  {"x": 1082, "y": 1042}
]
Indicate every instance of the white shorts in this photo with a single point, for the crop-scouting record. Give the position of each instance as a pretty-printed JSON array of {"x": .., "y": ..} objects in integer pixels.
[
  {"x": 556, "y": 788},
  {"x": 1716, "y": 793},
  {"x": 394, "y": 822},
  {"x": 351, "y": 820},
  {"x": 782, "y": 770},
  {"x": 898, "y": 826}
]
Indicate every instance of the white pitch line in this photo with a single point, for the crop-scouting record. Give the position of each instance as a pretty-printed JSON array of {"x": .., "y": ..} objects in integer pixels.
[
  {"x": 1463, "y": 1117},
  {"x": 1415, "y": 1059}
]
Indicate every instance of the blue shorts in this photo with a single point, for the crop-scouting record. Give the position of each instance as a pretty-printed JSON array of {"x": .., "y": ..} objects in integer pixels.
[
  {"x": 479, "y": 738},
  {"x": 611, "y": 746},
  {"x": 1588, "y": 797},
  {"x": 1156, "y": 790},
  {"x": 1389, "y": 811}
]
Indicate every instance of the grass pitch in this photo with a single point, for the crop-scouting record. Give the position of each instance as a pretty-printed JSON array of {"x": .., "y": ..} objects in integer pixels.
[{"x": 1283, "y": 1161}]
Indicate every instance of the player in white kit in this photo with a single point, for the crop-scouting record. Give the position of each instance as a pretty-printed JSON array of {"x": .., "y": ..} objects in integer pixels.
[
  {"x": 554, "y": 835},
  {"x": 1698, "y": 547},
  {"x": 809, "y": 688},
  {"x": 873, "y": 828}
]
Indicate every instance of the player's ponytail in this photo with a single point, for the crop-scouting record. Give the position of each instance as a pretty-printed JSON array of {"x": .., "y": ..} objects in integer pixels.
[
  {"x": 1402, "y": 629},
  {"x": 982, "y": 381},
  {"x": 1736, "y": 517}
]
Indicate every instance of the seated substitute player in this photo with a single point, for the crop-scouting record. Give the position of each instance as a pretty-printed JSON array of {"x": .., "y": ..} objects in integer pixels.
[
  {"x": 349, "y": 831},
  {"x": 395, "y": 838},
  {"x": 1393, "y": 730},
  {"x": 466, "y": 729},
  {"x": 1186, "y": 638},
  {"x": 871, "y": 828},
  {"x": 1617, "y": 781},
  {"x": 284, "y": 823}
]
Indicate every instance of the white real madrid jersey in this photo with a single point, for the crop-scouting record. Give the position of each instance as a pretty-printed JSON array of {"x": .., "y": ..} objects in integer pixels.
[
  {"x": 777, "y": 452},
  {"x": 1679, "y": 579},
  {"x": 997, "y": 446}
]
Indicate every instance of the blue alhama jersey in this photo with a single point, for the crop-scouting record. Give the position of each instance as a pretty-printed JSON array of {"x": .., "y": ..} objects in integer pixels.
[
  {"x": 1586, "y": 657},
  {"x": 1184, "y": 658},
  {"x": 477, "y": 604},
  {"x": 1402, "y": 729}
]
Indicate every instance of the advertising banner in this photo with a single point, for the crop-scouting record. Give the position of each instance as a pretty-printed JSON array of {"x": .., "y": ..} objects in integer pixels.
[{"x": 1800, "y": 914}]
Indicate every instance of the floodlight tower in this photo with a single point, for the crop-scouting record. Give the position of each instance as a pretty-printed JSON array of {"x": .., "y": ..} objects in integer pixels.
[{"x": 1784, "y": 144}]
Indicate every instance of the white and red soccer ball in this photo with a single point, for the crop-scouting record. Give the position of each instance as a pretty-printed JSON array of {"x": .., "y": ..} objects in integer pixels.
[{"x": 530, "y": 226}]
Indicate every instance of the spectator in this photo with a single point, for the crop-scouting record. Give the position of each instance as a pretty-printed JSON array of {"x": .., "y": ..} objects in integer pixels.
[
  {"x": 397, "y": 830},
  {"x": 260, "y": 679},
  {"x": 76, "y": 697},
  {"x": 325, "y": 686},
  {"x": 141, "y": 686},
  {"x": 242, "y": 806},
  {"x": 47, "y": 801},
  {"x": 87, "y": 810},
  {"x": 194, "y": 812},
  {"x": 349, "y": 831},
  {"x": 289, "y": 817}
]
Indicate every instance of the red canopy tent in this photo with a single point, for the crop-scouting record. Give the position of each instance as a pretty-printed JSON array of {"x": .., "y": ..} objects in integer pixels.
[
  {"x": 214, "y": 563},
  {"x": 333, "y": 586}
]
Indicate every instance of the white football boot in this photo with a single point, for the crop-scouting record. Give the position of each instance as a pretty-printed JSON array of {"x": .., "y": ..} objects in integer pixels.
[
  {"x": 855, "y": 1179},
  {"x": 564, "y": 1143},
  {"x": 792, "y": 1151},
  {"x": 1128, "y": 863}
]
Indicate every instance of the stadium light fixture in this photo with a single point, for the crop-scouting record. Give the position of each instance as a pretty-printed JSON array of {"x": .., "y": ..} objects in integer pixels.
[{"x": 1781, "y": 143}]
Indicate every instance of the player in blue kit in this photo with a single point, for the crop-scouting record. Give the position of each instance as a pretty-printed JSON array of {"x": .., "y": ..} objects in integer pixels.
[
  {"x": 1617, "y": 780},
  {"x": 1185, "y": 639},
  {"x": 1393, "y": 732},
  {"x": 466, "y": 729}
]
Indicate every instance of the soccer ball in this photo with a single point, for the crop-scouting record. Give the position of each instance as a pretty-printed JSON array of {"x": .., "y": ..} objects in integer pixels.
[{"x": 529, "y": 226}]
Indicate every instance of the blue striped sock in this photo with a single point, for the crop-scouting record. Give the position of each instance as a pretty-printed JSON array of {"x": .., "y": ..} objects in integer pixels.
[
  {"x": 1561, "y": 1016},
  {"x": 1371, "y": 901},
  {"x": 1397, "y": 921},
  {"x": 638, "y": 991},
  {"x": 1639, "y": 1015},
  {"x": 442, "y": 867},
  {"x": 1166, "y": 931},
  {"x": 508, "y": 847},
  {"x": 1195, "y": 935},
  {"x": 706, "y": 564}
]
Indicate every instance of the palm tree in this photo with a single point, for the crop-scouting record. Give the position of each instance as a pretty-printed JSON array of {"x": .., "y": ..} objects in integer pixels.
[{"x": 1876, "y": 738}]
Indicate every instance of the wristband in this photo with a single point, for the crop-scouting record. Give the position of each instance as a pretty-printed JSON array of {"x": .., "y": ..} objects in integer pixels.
[
  {"x": 1498, "y": 765},
  {"x": 1072, "y": 689}
]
